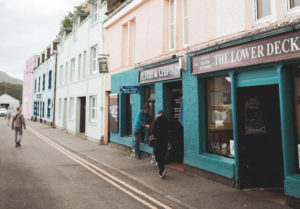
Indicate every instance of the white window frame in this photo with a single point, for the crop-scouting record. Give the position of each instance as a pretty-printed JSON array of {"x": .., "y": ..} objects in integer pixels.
[
  {"x": 66, "y": 72},
  {"x": 71, "y": 109},
  {"x": 292, "y": 11},
  {"x": 263, "y": 19},
  {"x": 127, "y": 50},
  {"x": 59, "y": 108},
  {"x": 61, "y": 73},
  {"x": 94, "y": 60},
  {"x": 72, "y": 70},
  {"x": 169, "y": 26},
  {"x": 93, "y": 109},
  {"x": 185, "y": 40},
  {"x": 95, "y": 12},
  {"x": 84, "y": 65},
  {"x": 75, "y": 29},
  {"x": 79, "y": 67},
  {"x": 133, "y": 23}
]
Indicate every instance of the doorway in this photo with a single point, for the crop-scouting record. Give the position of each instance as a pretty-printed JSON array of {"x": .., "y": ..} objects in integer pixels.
[
  {"x": 259, "y": 133},
  {"x": 82, "y": 114},
  {"x": 175, "y": 127}
]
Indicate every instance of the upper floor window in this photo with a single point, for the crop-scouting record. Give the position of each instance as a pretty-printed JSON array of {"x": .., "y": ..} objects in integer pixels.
[
  {"x": 44, "y": 81},
  {"x": 294, "y": 3},
  {"x": 39, "y": 84},
  {"x": 61, "y": 72},
  {"x": 94, "y": 59},
  {"x": 172, "y": 17},
  {"x": 75, "y": 29},
  {"x": 50, "y": 79},
  {"x": 185, "y": 21},
  {"x": 72, "y": 71},
  {"x": 92, "y": 108},
  {"x": 66, "y": 72},
  {"x": 263, "y": 9},
  {"x": 79, "y": 67},
  {"x": 84, "y": 64},
  {"x": 95, "y": 12},
  {"x": 129, "y": 34},
  {"x": 35, "y": 84}
]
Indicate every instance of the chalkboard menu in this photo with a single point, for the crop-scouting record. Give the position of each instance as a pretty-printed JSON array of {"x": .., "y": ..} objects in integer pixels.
[
  {"x": 114, "y": 113},
  {"x": 175, "y": 101},
  {"x": 254, "y": 117}
]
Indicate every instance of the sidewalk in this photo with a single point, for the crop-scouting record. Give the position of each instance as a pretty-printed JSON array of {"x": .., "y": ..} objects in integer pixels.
[{"x": 186, "y": 188}]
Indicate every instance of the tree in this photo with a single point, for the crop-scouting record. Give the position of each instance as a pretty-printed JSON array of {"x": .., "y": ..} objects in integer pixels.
[{"x": 66, "y": 23}]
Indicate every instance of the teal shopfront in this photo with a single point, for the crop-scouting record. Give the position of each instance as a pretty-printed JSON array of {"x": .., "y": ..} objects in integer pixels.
[{"x": 245, "y": 102}]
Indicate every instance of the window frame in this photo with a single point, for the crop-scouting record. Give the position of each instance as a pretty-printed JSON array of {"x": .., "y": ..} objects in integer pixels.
[
  {"x": 185, "y": 6},
  {"x": 50, "y": 80},
  {"x": 71, "y": 109},
  {"x": 84, "y": 64},
  {"x": 290, "y": 10},
  {"x": 93, "y": 108},
  {"x": 174, "y": 24},
  {"x": 72, "y": 70},
  {"x": 95, "y": 12},
  {"x": 79, "y": 67},
  {"x": 93, "y": 59}
]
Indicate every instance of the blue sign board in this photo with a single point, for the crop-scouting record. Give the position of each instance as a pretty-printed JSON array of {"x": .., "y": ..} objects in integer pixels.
[{"x": 129, "y": 89}]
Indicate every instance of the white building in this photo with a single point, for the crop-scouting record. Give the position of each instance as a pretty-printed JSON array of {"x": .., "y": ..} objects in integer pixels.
[
  {"x": 44, "y": 85},
  {"x": 79, "y": 93},
  {"x": 7, "y": 100}
]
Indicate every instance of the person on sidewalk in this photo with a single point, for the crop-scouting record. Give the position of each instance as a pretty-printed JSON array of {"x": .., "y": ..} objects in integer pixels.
[
  {"x": 17, "y": 124},
  {"x": 8, "y": 115},
  {"x": 160, "y": 132},
  {"x": 142, "y": 126}
]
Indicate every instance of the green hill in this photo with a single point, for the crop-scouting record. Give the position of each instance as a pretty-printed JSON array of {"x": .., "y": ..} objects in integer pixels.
[{"x": 14, "y": 90}]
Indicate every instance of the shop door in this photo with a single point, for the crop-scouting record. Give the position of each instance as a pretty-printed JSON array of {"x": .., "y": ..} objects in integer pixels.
[
  {"x": 82, "y": 114},
  {"x": 175, "y": 128},
  {"x": 260, "y": 144}
]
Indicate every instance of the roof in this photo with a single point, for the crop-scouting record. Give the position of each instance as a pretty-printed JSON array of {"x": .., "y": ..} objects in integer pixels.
[{"x": 5, "y": 98}]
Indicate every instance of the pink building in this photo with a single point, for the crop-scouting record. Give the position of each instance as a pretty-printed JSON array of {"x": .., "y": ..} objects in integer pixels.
[{"x": 28, "y": 87}]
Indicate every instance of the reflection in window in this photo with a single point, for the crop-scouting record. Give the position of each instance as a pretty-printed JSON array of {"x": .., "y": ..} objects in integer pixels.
[
  {"x": 219, "y": 116},
  {"x": 263, "y": 8}
]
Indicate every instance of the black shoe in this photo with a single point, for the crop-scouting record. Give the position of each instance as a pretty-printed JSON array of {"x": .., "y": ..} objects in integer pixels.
[
  {"x": 162, "y": 173},
  {"x": 19, "y": 144},
  {"x": 16, "y": 145}
]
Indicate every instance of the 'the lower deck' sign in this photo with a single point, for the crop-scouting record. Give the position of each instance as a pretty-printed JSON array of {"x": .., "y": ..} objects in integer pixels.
[
  {"x": 263, "y": 51},
  {"x": 163, "y": 72}
]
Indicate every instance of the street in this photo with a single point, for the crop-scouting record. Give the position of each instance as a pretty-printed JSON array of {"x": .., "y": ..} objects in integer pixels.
[
  {"x": 54, "y": 169},
  {"x": 38, "y": 175}
]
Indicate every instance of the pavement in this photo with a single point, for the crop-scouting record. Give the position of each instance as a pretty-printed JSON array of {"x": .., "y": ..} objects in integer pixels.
[{"x": 178, "y": 190}]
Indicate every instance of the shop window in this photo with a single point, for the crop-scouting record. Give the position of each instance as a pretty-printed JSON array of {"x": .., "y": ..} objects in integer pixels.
[
  {"x": 149, "y": 98},
  {"x": 219, "y": 116},
  {"x": 263, "y": 9},
  {"x": 297, "y": 111},
  {"x": 48, "y": 108},
  {"x": 128, "y": 115},
  {"x": 43, "y": 109}
]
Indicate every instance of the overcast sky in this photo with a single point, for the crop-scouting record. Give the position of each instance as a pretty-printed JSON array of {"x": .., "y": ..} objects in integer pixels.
[{"x": 26, "y": 28}]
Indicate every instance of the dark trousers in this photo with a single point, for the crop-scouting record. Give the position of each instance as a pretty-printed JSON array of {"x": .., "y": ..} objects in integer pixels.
[
  {"x": 160, "y": 154},
  {"x": 137, "y": 140}
]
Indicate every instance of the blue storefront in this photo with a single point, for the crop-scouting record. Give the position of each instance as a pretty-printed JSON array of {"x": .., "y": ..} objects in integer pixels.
[{"x": 241, "y": 109}]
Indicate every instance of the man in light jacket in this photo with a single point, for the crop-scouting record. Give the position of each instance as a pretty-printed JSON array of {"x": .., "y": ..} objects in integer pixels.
[{"x": 18, "y": 123}]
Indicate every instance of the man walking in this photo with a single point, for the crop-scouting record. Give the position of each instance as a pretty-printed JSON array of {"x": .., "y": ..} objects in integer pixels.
[
  {"x": 160, "y": 132},
  {"x": 142, "y": 125},
  {"x": 17, "y": 123},
  {"x": 8, "y": 115}
]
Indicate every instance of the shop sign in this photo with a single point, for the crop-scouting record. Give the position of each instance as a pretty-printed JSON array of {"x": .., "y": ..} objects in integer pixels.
[
  {"x": 263, "y": 51},
  {"x": 129, "y": 89},
  {"x": 103, "y": 64},
  {"x": 114, "y": 113},
  {"x": 163, "y": 72}
]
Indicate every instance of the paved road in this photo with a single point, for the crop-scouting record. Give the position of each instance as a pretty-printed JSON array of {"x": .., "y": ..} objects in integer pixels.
[{"x": 41, "y": 174}]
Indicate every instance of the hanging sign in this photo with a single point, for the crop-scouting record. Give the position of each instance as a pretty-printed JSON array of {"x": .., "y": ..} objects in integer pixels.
[
  {"x": 130, "y": 89},
  {"x": 160, "y": 73},
  {"x": 103, "y": 64},
  {"x": 114, "y": 113},
  {"x": 268, "y": 50}
]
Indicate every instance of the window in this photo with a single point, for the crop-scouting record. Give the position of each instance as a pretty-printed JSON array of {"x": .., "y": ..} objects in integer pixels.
[
  {"x": 92, "y": 108},
  {"x": 129, "y": 30},
  {"x": 43, "y": 109},
  {"x": 128, "y": 120},
  {"x": 44, "y": 80},
  {"x": 61, "y": 69},
  {"x": 297, "y": 111},
  {"x": 59, "y": 108},
  {"x": 48, "y": 108},
  {"x": 219, "y": 116},
  {"x": 79, "y": 66},
  {"x": 185, "y": 20},
  {"x": 50, "y": 79},
  {"x": 149, "y": 99},
  {"x": 263, "y": 9},
  {"x": 35, "y": 84},
  {"x": 294, "y": 3},
  {"x": 84, "y": 64},
  {"x": 94, "y": 60},
  {"x": 66, "y": 73},
  {"x": 37, "y": 108},
  {"x": 72, "y": 71},
  {"x": 95, "y": 12},
  {"x": 71, "y": 109},
  {"x": 75, "y": 29},
  {"x": 39, "y": 84},
  {"x": 171, "y": 24}
]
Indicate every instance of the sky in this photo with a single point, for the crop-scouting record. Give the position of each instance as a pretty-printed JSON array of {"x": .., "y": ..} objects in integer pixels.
[{"x": 27, "y": 27}]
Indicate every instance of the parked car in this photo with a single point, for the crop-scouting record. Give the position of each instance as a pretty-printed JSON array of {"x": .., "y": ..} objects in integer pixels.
[{"x": 2, "y": 111}]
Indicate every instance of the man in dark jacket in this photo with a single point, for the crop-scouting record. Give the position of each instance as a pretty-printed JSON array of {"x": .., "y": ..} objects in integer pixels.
[{"x": 160, "y": 131}]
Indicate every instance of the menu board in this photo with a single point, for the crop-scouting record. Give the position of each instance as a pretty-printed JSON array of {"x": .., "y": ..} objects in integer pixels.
[
  {"x": 114, "y": 113},
  {"x": 176, "y": 98},
  {"x": 254, "y": 117}
]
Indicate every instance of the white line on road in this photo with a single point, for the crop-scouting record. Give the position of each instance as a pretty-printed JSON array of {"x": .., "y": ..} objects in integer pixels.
[{"x": 94, "y": 170}]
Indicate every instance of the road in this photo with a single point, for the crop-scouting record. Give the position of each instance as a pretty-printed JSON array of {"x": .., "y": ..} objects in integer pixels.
[{"x": 43, "y": 174}]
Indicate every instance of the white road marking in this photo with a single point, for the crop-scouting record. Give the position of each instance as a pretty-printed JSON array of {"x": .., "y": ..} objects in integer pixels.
[{"x": 94, "y": 170}]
